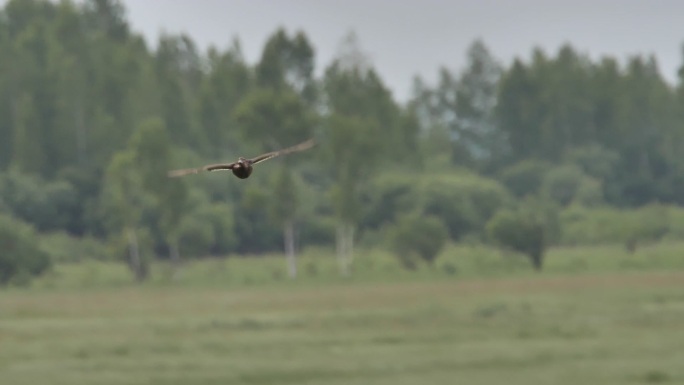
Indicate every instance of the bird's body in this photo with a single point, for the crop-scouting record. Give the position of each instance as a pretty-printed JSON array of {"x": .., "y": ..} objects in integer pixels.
[{"x": 243, "y": 167}]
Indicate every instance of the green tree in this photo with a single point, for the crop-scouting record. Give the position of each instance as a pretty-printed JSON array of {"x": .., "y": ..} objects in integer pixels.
[
  {"x": 389, "y": 195},
  {"x": 362, "y": 130},
  {"x": 224, "y": 86},
  {"x": 124, "y": 200},
  {"x": 279, "y": 117},
  {"x": 287, "y": 62},
  {"x": 464, "y": 105},
  {"x": 107, "y": 17},
  {"x": 475, "y": 104},
  {"x": 433, "y": 133},
  {"x": 525, "y": 177},
  {"x": 45, "y": 205},
  {"x": 256, "y": 233},
  {"x": 284, "y": 211},
  {"x": 562, "y": 183},
  {"x": 279, "y": 112},
  {"x": 515, "y": 109},
  {"x": 353, "y": 156},
  {"x": 152, "y": 148},
  {"x": 28, "y": 156},
  {"x": 646, "y": 116},
  {"x": 178, "y": 74},
  {"x": 555, "y": 106}
]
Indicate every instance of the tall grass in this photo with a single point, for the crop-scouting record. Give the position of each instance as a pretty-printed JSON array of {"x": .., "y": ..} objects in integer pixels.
[{"x": 318, "y": 266}]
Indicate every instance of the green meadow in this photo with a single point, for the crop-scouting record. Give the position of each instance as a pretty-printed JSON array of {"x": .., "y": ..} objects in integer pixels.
[{"x": 595, "y": 316}]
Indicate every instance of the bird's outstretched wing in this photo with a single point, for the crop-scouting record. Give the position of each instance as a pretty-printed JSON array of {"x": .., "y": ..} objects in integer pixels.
[
  {"x": 209, "y": 167},
  {"x": 299, "y": 147}
]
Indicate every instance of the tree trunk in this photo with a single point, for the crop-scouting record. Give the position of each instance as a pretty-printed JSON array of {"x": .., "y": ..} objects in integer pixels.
[
  {"x": 537, "y": 260},
  {"x": 81, "y": 139},
  {"x": 289, "y": 238},
  {"x": 350, "y": 245},
  {"x": 340, "y": 248},
  {"x": 174, "y": 256},
  {"x": 134, "y": 254},
  {"x": 345, "y": 247}
]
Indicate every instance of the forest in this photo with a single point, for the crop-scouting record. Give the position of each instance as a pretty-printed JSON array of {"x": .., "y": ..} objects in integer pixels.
[{"x": 556, "y": 148}]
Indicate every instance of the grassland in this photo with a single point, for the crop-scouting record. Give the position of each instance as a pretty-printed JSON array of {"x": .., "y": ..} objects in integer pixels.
[{"x": 593, "y": 318}]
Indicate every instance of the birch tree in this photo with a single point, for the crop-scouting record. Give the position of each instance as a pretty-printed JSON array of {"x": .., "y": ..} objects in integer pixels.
[{"x": 124, "y": 200}]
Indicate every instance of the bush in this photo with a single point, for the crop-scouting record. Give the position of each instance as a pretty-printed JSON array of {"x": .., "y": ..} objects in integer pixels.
[
  {"x": 417, "y": 236},
  {"x": 196, "y": 236},
  {"x": 65, "y": 248},
  {"x": 317, "y": 230},
  {"x": 45, "y": 205},
  {"x": 464, "y": 203},
  {"x": 650, "y": 223},
  {"x": 255, "y": 232},
  {"x": 524, "y": 178},
  {"x": 528, "y": 229},
  {"x": 589, "y": 193},
  {"x": 21, "y": 256},
  {"x": 562, "y": 184},
  {"x": 453, "y": 207},
  {"x": 584, "y": 226},
  {"x": 207, "y": 230},
  {"x": 594, "y": 160},
  {"x": 390, "y": 194}
]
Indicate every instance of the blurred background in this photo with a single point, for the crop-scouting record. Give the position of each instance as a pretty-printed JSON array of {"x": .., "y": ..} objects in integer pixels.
[{"x": 496, "y": 194}]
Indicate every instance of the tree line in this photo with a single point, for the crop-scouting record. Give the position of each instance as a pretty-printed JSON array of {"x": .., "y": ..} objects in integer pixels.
[{"x": 92, "y": 118}]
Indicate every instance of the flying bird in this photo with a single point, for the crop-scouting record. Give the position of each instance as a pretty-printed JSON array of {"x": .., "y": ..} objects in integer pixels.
[{"x": 243, "y": 167}]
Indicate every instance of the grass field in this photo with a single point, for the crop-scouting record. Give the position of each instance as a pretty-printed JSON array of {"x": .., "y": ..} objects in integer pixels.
[{"x": 591, "y": 326}]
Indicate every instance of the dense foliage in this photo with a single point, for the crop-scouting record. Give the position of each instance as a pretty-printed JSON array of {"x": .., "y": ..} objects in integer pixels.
[
  {"x": 92, "y": 117},
  {"x": 21, "y": 255}
]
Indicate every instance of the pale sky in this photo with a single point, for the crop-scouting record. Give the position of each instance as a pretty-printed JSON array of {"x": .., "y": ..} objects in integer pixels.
[{"x": 409, "y": 37}]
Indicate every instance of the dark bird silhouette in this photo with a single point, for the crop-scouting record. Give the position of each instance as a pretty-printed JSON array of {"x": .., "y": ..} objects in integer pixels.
[{"x": 243, "y": 167}]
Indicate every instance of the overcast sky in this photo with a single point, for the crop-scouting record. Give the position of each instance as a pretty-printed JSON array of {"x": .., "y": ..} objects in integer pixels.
[{"x": 408, "y": 37}]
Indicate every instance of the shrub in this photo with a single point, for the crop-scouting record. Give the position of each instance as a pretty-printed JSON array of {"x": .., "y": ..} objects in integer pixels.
[
  {"x": 207, "y": 230},
  {"x": 525, "y": 177},
  {"x": 47, "y": 206},
  {"x": 589, "y": 193},
  {"x": 584, "y": 226},
  {"x": 416, "y": 236},
  {"x": 594, "y": 160},
  {"x": 631, "y": 227},
  {"x": 561, "y": 184},
  {"x": 66, "y": 248},
  {"x": 390, "y": 194},
  {"x": 21, "y": 256},
  {"x": 195, "y": 237},
  {"x": 648, "y": 224},
  {"x": 464, "y": 203},
  {"x": 529, "y": 229}
]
